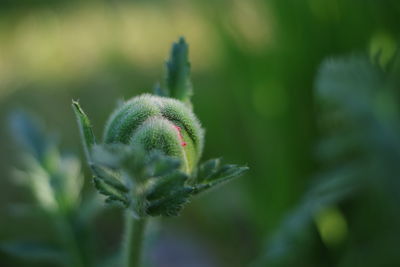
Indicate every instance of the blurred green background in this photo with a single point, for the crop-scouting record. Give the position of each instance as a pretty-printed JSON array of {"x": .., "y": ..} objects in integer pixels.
[{"x": 254, "y": 66}]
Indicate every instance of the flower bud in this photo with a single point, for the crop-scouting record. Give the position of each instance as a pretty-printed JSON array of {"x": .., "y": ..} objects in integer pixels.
[
  {"x": 157, "y": 136},
  {"x": 158, "y": 123}
]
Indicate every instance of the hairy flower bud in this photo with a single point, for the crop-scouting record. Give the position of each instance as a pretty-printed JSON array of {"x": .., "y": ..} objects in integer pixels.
[
  {"x": 148, "y": 161},
  {"x": 158, "y": 123}
]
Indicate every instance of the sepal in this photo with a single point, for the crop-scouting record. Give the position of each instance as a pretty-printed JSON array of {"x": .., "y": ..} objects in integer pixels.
[
  {"x": 150, "y": 184},
  {"x": 109, "y": 176},
  {"x": 113, "y": 195},
  {"x": 177, "y": 78},
  {"x": 168, "y": 195},
  {"x": 85, "y": 128}
]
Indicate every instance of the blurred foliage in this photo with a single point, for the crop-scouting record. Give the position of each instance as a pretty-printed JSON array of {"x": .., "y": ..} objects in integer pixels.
[
  {"x": 254, "y": 67},
  {"x": 350, "y": 209},
  {"x": 55, "y": 182}
]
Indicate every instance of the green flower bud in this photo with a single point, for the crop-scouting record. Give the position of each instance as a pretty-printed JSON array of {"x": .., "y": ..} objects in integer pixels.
[
  {"x": 158, "y": 140},
  {"x": 158, "y": 123}
]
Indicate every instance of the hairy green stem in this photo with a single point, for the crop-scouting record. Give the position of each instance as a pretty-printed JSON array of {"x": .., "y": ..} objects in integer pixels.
[{"x": 133, "y": 240}]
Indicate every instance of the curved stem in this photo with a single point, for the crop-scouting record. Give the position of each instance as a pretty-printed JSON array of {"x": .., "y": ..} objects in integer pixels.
[{"x": 133, "y": 240}]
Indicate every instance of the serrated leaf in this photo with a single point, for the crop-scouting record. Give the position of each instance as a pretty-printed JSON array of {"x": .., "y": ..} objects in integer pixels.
[
  {"x": 208, "y": 169},
  {"x": 224, "y": 174},
  {"x": 112, "y": 193},
  {"x": 134, "y": 163},
  {"x": 34, "y": 251},
  {"x": 108, "y": 155},
  {"x": 116, "y": 202},
  {"x": 159, "y": 164},
  {"x": 109, "y": 177},
  {"x": 159, "y": 187},
  {"x": 167, "y": 195},
  {"x": 177, "y": 78},
  {"x": 124, "y": 158},
  {"x": 227, "y": 171},
  {"x": 85, "y": 129},
  {"x": 163, "y": 186},
  {"x": 171, "y": 204}
]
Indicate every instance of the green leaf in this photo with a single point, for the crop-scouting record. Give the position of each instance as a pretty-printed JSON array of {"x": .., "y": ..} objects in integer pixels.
[
  {"x": 114, "y": 195},
  {"x": 28, "y": 131},
  {"x": 167, "y": 195},
  {"x": 34, "y": 251},
  {"x": 159, "y": 164},
  {"x": 109, "y": 177},
  {"x": 163, "y": 186},
  {"x": 221, "y": 175},
  {"x": 208, "y": 169},
  {"x": 350, "y": 84},
  {"x": 109, "y": 156},
  {"x": 177, "y": 78},
  {"x": 358, "y": 154},
  {"x": 85, "y": 128},
  {"x": 55, "y": 180},
  {"x": 228, "y": 171},
  {"x": 170, "y": 204}
]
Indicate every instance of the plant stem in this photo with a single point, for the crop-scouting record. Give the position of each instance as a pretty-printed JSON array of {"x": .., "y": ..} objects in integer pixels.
[
  {"x": 133, "y": 240},
  {"x": 68, "y": 237}
]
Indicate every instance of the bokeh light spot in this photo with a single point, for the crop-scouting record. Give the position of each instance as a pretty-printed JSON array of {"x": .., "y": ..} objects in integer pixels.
[
  {"x": 382, "y": 48},
  {"x": 332, "y": 226}
]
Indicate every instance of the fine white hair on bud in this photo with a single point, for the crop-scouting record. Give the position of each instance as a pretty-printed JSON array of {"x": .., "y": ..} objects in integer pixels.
[
  {"x": 158, "y": 123},
  {"x": 148, "y": 161}
]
